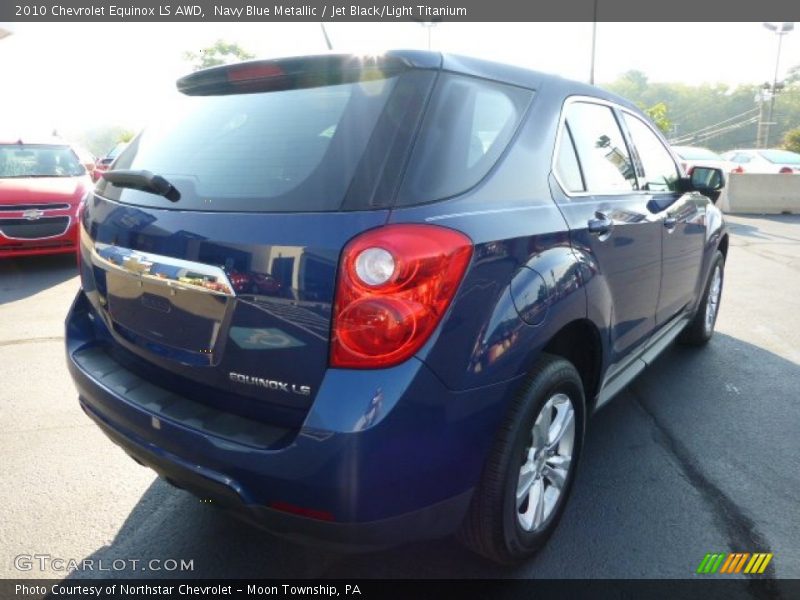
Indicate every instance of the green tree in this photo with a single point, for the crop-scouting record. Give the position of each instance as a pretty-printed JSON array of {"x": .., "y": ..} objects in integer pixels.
[
  {"x": 100, "y": 139},
  {"x": 631, "y": 84},
  {"x": 658, "y": 113},
  {"x": 791, "y": 141},
  {"x": 220, "y": 53},
  {"x": 793, "y": 75},
  {"x": 716, "y": 116}
]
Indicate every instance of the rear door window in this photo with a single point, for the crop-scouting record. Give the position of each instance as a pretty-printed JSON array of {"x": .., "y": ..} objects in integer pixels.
[
  {"x": 602, "y": 152},
  {"x": 567, "y": 169},
  {"x": 466, "y": 128}
]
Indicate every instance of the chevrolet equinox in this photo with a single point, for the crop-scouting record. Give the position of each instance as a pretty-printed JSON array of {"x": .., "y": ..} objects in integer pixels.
[{"x": 369, "y": 300}]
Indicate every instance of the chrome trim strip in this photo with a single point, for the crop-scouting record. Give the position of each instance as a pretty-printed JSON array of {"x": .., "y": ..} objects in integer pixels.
[
  {"x": 176, "y": 273},
  {"x": 47, "y": 237}
]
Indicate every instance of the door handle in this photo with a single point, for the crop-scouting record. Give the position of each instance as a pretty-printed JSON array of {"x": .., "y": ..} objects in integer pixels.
[
  {"x": 670, "y": 223},
  {"x": 601, "y": 224}
]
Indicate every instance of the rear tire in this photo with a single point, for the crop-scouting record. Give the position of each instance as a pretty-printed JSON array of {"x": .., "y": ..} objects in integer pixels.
[
  {"x": 701, "y": 328},
  {"x": 537, "y": 449}
]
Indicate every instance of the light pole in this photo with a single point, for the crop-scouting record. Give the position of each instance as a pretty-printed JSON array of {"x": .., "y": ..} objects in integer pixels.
[
  {"x": 428, "y": 25},
  {"x": 594, "y": 44},
  {"x": 779, "y": 30},
  {"x": 325, "y": 35}
]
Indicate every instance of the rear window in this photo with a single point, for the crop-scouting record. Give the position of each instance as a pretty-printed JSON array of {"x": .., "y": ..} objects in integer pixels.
[
  {"x": 289, "y": 150},
  {"x": 688, "y": 153},
  {"x": 466, "y": 128},
  {"x": 346, "y": 146},
  {"x": 783, "y": 157},
  {"x": 28, "y": 160}
]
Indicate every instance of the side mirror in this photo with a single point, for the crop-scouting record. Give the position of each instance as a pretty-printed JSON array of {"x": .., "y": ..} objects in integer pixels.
[{"x": 706, "y": 180}]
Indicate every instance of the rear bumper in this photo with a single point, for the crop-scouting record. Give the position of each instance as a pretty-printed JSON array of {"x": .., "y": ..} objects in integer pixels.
[
  {"x": 383, "y": 457},
  {"x": 432, "y": 521}
]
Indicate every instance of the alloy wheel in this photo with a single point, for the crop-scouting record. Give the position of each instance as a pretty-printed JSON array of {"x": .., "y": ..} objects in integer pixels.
[
  {"x": 546, "y": 462},
  {"x": 712, "y": 302}
]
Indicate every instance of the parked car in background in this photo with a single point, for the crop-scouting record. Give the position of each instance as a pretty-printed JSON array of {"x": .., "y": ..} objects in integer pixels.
[
  {"x": 253, "y": 283},
  {"x": 764, "y": 161},
  {"x": 693, "y": 156},
  {"x": 103, "y": 163},
  {"x": 42, "y": 183},
  {"x": 88, "y": 160},
  {"x": 474, "y": 257}
]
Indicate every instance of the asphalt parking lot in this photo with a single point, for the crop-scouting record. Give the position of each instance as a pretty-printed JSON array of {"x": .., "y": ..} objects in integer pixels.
[{"x": 701, "y": 454}]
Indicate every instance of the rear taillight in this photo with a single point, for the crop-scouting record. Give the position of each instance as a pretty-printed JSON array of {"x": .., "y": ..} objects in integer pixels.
[
  {"x": 738, "y": 169},
  {"x": 394, "y": 285},
  {"x": 786, "y": 170}
]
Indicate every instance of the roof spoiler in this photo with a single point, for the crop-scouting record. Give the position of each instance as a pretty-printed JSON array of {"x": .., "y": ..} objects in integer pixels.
[{"x": 303, "y": 72}]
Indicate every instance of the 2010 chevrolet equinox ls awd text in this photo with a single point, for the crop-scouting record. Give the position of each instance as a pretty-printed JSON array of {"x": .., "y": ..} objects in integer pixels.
[{"x": 366, "y": 300}]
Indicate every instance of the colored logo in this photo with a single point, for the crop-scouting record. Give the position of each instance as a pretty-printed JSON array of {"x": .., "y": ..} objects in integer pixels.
[{"x": 735, "y": 562}]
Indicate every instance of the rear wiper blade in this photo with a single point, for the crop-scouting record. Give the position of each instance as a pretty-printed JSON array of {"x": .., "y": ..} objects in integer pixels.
[{"x": 144, "y": 181}]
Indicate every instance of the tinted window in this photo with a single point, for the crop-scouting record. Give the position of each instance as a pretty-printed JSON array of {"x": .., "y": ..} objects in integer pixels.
[
  {"x": 288, "y": 150},
  {"x": 466, "y": 128},
  {"x": 26, "y": 160},
  {"x": 567, "y": 168},
  {"x": 601, "y": 149},
  {"x": 660, "y": 172},
  {"x": 781, "y": 157}
]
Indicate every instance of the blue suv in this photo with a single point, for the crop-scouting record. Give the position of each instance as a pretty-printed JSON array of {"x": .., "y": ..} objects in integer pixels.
[{"x": 368, "y": 300}]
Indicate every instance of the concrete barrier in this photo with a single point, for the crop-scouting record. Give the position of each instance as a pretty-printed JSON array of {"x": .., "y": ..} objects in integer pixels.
[{"x": 763, "y": 194}]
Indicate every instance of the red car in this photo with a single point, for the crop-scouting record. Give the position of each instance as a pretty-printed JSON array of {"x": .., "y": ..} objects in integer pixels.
[{"x": 41, "y": 187}]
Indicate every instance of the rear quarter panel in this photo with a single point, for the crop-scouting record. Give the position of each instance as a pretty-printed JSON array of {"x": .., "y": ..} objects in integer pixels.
[{"x": 514, "y": 223}]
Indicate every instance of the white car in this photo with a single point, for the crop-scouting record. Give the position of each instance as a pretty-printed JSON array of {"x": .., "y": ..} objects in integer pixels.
[
  {"x": 764, "y": 161},
  {"x": 694, "y": 156}
]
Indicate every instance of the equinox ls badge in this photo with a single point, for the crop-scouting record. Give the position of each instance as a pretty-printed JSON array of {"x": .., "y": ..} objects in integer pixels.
[{"x": 270, "y": 384}]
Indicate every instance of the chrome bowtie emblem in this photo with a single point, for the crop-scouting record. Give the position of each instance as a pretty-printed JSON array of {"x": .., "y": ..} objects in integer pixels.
[
  {"x": 32, "y": 214},
  {"x": 137, "y": 264}
]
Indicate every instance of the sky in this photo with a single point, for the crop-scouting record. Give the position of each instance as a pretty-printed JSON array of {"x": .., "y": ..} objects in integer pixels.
[{"x": 72, "y": 76}]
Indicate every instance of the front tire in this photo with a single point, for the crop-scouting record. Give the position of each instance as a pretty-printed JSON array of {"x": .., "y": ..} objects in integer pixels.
[
  {"x": 529, "y": 473},
  {"x": 701, "y": 328}
]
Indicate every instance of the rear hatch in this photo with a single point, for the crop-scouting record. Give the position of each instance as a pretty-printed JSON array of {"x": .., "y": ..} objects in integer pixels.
[{"x": 222, "y": 291}]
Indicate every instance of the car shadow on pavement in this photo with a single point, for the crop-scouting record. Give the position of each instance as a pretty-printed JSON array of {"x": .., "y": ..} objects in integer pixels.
[
  {"x": 26, "y": 276},
  {"x": 746, "y": 230},
  {"x": 634, "y": 512}
]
